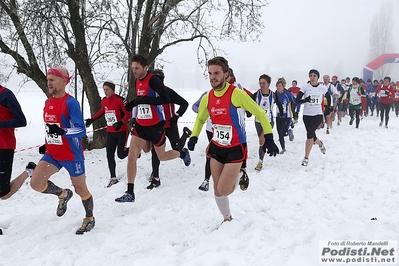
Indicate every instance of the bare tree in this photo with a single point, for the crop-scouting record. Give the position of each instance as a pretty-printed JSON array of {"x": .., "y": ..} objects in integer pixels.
[
  {"x": 101, "y": 35},
  {"x": 382, "y": 37}
]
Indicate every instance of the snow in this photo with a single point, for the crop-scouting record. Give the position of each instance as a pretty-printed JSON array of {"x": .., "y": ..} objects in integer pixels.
[{"x": 280, "y": 220}]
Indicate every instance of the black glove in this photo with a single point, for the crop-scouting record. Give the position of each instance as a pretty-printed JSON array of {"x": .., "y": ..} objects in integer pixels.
[
  {"x": 173, "y": 121},
  {"x": 191, "y": 143},
  {"x": 42, "y": 149},
  {"x": 55, "y": 129},
  {"x": 136, "y": 101},
  {"x": 133, "y": 122},
  {"x": 270, "y": 147},
  {"x": 307, "y": 99},
  {"x": 295, "y": 115},
  {"x": 248, "y": 114},
  {"x": 118, "y": 125},
  {"x": 89, "y": 121},
  {"x": 387, "y": 92}
]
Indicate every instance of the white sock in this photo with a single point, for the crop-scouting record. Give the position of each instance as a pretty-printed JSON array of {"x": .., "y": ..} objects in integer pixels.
[{"x": 224, "y": 207}]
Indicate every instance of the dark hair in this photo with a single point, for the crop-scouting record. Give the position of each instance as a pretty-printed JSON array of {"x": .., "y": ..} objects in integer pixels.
[
  {"x": 159, "y": 72},
  {"x": 388, "y": 78},
  {"x": 231, "y": 72},
  {"x": 356, "y": 79},
  {"x": 138, "y": 58},
  {"x": 266, "y": 77},
  {"x": 375, "y": 80},
  {"x": 219, "y": 61},
  {"x": 296, "y": 83}
]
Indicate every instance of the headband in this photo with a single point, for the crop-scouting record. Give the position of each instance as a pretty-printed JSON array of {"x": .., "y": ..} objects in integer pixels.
[{"x": 56, "y": 72}]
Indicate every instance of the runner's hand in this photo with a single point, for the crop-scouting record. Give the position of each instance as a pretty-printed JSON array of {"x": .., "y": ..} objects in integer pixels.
[
  {"x": 118, "y": 125},
  {"x": 270, "y": 147},
  {"x": 191, "y": 143}
]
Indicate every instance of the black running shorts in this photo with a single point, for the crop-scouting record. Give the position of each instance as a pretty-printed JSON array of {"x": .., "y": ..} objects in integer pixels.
[
  {"x": 155, "y": 133},
  {"x": 227, "y": 155}
]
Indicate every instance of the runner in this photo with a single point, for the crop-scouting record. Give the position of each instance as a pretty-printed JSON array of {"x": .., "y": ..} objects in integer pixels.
[
  {"x": 149, "y": 123},
  {"x": 354, "y": 97},
  {"x": 65, "y": 130},
  {"x": 295, "y": 90},
  {"x": 385, "y": 93},
  {"x": 227, "y": 148},
  {"x": 171, "y": 129},
  {"x": 312, "y": 95},
  {"x": 284, "y": 119},
  {"x": 265, "y": 98},
  {"x": 11, "y": 117},
  {"x": 117, "y": 118}
]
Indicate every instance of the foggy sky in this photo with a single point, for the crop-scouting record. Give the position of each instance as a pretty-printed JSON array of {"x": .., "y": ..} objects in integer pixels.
[{"x": 329, "y": 35}]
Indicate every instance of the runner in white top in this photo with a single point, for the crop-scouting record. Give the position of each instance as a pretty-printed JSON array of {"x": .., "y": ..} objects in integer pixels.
[{"x": 312, "y": 95}]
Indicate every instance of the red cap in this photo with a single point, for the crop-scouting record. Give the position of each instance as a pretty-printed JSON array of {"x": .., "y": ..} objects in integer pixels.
[{"x": 335, "y": 77}]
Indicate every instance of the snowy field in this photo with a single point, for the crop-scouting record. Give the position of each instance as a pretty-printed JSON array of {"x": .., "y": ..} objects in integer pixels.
[{"x": 280, "y": 220}]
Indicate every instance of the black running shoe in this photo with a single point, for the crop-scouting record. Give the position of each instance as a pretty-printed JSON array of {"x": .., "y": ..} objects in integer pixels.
[
  {"x": 244, "y": 180},
  {"x": 154, "y": 183}
]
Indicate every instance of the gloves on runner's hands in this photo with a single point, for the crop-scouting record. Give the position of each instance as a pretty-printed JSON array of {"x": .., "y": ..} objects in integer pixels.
[
  {"x": 42, "y": 149},
  {"x": 118, "y": 125},
  {"x": 89, "y": 121},
  {"x": 270, "y": 147},
  {"x": 191, "y": 143},
  {"x": 55, "y": 129}
]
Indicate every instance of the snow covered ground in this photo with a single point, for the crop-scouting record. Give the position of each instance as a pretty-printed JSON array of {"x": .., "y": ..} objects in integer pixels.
[{"x": 280, "y": 220}]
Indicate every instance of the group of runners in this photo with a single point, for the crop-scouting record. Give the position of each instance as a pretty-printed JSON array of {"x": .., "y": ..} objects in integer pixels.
[{"x": 153, "y": 117}]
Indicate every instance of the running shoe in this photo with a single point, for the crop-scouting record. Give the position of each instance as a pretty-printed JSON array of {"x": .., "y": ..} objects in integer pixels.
[
  {"x": 244, "y": 180},
  {"x": 380, "y": 124},
  {"x": 305, "y": 162},
  {"x": 155, "y": 182},
  {"x": 87, "y": 225},
  {"x": 62, "y": 203},
  {"x": 283, "y": 151},
  {"x": 351, "y": 121},
  {"x": 229, "y": 219},
  {"x": 30, "y": 167},
  {"x": 291, "y": 134},
  {"x": 127, "y": 197},
  {"x": 204, "y": 186},
  {"x": 322, "y": 148},
  {"x": 259, "y": 166},
  {"x": 187, "y": 158},
  {"x": 113, "y": 181}
]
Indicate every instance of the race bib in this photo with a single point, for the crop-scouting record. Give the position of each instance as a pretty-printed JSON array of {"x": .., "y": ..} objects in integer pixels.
[
  {"x": 355, "y": 100},
  {"x": 396, "y": 94},
  {"x": 222, "y": 134},
  {"x": 144, "y": 111},
  {"x": 110, "y": 117},
  {"x": 315, "y": 100},
  {"x": 53, "y": 138}
]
